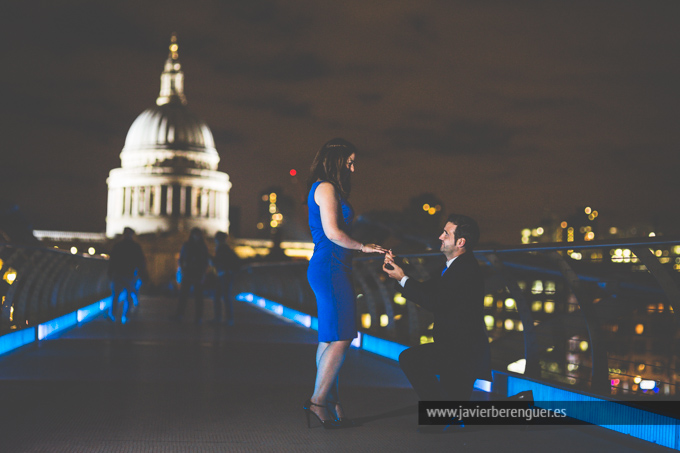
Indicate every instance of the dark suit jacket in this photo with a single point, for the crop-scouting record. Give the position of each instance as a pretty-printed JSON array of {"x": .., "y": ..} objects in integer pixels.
[{"x": 456, "y": 299}]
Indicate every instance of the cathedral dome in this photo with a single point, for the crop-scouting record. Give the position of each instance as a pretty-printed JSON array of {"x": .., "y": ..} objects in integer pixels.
[
  {"x": 169, "y": 126},
  {"x": 163, "y": 134},
  {"x": 168, "y": 135}
]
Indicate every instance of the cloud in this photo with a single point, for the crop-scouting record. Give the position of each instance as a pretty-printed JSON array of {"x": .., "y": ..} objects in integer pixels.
[
  {"x": 64, "y": 28},
  {"x": 297, "y": 67},
  {"x": 279, "y": 106},
  {"x": 370, "y": 98},
  {"x": 460, "y": 137}
]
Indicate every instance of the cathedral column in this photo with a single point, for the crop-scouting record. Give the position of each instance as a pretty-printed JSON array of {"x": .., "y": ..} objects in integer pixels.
[
  {"x": 194, "y": 199},
  {"x": 182, "y": 200},
  {"x": 168, "y": 199},
  {"x": 156, "y": 208},
  {"x": 218, "y": 205},
  {"x": 204, "y": 203},
  {"x": 134, "y": 194},
  {"x": 213, "y": 200},
  {"x": 120, "y": 202}
]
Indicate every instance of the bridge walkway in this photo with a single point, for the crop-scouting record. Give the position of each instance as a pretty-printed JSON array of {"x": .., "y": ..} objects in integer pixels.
[{"x": 154, "y": 385}]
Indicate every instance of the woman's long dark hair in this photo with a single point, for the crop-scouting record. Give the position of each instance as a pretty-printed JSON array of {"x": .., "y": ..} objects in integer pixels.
[{"x": 330, "y": 164}]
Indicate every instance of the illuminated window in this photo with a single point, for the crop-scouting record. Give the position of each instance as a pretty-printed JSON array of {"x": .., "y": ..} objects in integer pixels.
[
  {"x": 509, "y": 324},
  {"x": 510, "y": 304},
  {"x": 549, "y": 306},
  {"x": 536, "y": 305},
  {"x": 488, "y": 300},
  {"x": 399, "y": 299},
  {"x": 425, "y": 339},
  {"x": 366, "y": 321},
  {"x": 537, "y": 287},
  {"x": 91, "y": 251},
  {"x": 74, "y": 250},
  {"x": 489, "y": 321},
  {"x": 10, "y": 276},
  {"x": 550, "y": 287},
  {"x": 583, "y": 346},
  {"x": 384, "y": 320},
  {"x": 639, "y": 329}
]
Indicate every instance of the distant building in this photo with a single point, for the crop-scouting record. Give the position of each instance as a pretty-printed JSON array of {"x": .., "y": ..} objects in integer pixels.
[{"x": 168, "y": 181}]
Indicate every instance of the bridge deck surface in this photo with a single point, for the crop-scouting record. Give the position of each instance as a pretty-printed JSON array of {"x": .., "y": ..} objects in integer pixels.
[{"x": 154, "y": 385}]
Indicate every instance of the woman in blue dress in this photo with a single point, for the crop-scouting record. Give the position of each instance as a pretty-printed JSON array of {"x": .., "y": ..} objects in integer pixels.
[{"x": 330, "y": 274}]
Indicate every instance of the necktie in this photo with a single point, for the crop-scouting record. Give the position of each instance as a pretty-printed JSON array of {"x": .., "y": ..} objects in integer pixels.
[{"x": 445, "y": 269}]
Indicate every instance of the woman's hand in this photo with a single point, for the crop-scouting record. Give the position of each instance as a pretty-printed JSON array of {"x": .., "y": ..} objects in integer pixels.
[{"x": 372, "y": 248}]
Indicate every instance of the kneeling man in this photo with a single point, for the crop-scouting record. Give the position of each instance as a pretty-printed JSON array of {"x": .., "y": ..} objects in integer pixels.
[{"x": 446, "y": 369}]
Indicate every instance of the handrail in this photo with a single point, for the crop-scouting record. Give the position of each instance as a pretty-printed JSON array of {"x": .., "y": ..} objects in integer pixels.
[
  {"x": 39, "y": 284},
  {"x": 571, "y": 344}
]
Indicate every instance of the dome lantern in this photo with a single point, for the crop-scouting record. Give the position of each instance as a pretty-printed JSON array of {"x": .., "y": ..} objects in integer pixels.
[{"x": 172, "y": 78}]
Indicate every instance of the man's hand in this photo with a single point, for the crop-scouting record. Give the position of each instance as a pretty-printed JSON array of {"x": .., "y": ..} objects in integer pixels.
[{"x": 396, "y": 272}]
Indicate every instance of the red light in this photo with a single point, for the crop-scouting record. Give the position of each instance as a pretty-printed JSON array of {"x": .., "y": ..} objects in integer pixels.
[{"x": 293, "y": 172}]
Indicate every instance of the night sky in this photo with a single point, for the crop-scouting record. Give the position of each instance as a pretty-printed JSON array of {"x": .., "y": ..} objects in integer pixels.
[{"x": 510, "y": 112}]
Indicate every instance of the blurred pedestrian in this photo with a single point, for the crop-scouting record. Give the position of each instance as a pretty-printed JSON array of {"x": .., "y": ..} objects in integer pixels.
[
  {"x": 126, "y": 264},
  {"x": 226, "y": 263},
  {"x": 193, "y": 263}
]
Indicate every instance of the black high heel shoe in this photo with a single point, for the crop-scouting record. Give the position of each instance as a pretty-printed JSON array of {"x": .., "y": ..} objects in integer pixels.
[
  {"x": 327, "y": 424},
  {"x": 342, "y": 422}
]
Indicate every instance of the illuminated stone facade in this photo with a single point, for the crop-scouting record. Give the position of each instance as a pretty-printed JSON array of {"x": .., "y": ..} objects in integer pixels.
[{"x": 168, "y": 181}]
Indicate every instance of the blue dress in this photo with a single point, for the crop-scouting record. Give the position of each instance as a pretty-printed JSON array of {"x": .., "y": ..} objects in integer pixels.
[{"x": 330, "y": 276}]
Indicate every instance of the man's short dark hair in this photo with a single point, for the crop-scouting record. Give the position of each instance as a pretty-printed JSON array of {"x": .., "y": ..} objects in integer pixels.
[
  {"x": 467, "y": 228},
  {"x": 221, "y": 236}
]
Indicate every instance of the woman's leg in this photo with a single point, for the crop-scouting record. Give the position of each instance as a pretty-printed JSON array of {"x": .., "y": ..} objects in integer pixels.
[{"x": 329, "y": 359}]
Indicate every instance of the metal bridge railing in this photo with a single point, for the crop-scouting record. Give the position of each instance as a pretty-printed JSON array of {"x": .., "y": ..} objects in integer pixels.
[
  {"x": 40, "y": 284},
  {"x": 598, "y": 317}
]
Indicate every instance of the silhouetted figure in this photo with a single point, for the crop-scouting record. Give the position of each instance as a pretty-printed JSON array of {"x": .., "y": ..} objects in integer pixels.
[
  {"x": 460, "y": 352},
  {"x": 276, "y": 253},
  {"x": 193, "y": 263},
  {"x": 126, "y": 263},
  {"x": 226, "y": 263}
]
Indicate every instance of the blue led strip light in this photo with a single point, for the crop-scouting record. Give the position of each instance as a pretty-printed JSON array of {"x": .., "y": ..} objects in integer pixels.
[
  {"x": 14, "y": 340},
  {"x": 644, "y": 425}
]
